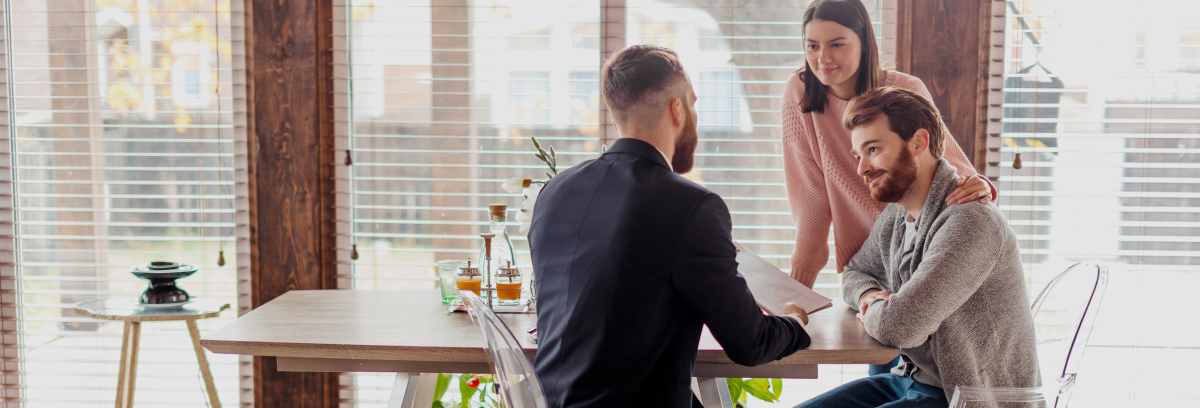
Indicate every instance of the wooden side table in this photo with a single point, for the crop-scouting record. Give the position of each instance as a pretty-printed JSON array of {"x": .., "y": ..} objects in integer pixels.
[{"x": 133, "y": 314}]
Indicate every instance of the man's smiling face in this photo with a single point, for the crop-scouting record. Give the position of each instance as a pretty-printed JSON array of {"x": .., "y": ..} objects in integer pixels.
[{"x": 885, "y": 161}]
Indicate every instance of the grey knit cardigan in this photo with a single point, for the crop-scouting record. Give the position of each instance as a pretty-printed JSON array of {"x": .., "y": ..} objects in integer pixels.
[{"x": 963, "y": 309}]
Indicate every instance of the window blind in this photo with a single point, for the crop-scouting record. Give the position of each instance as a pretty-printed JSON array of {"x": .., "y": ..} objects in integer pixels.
[
  {"x": 432, "y": 140},
  {"x": 124, "y": 143},
  {"x": 435, "y": 101},
  {"x": 1101, "y": 101}
]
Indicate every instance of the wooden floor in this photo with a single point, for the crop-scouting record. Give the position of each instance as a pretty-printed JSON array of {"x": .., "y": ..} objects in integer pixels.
[{"x": 81, "y": 370}]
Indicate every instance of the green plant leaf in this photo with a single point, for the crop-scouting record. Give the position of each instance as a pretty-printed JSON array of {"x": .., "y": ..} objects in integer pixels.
[
  {"x": 776, "y": 388},
  {"x": 603, "y": 148},
  {"x": 465, "y": 390},
  {"x": 735, "y": 388},
  {"x": 443, "y": 383},
  {"x": 759, "y": 388},
  {"x": 438, "y": 404}
]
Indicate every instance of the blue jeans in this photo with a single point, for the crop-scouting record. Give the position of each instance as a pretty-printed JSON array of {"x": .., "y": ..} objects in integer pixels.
[
  {"x": 883, "y": 391},
  {"x": 883, "y": 368}
]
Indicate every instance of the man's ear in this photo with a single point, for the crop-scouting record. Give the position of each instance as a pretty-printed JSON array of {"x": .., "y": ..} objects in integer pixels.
[
  {"x": 920, "y": 142},
  {"x": 677, "y": 112}
]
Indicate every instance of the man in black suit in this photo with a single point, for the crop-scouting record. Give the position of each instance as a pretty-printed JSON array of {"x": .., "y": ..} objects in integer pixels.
[{"x": 632, "y": 259}]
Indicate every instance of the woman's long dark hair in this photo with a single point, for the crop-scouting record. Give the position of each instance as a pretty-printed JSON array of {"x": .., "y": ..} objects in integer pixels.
[{"x": 853, "y": 15}]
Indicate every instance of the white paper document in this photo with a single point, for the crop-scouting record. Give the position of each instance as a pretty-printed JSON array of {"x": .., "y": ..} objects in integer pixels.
[{"x": 772, "y": 288}]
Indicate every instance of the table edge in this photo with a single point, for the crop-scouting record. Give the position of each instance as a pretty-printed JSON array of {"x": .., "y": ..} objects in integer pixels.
[
  {"x": 87, "y": 313},
  {"x": 473, "y": 354}
]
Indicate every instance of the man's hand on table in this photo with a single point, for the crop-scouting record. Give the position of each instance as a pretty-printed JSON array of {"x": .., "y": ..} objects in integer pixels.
[
  {"x": 869, "y": 298},
  {"x": 796, "y": 312}
]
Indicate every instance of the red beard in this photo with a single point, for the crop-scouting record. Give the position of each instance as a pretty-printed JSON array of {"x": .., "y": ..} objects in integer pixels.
[
  {"x": 685, "y": 147},
  {"x": 899, "y": 179}
]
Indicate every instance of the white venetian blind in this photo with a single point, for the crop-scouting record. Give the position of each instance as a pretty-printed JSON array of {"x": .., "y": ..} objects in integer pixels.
[
  {"x": 1101, "y": 101},
  {"x": 123, "y": 142},
  {"x": 436, "y": 102}
]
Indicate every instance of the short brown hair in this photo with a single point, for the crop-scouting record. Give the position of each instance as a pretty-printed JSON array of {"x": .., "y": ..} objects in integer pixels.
[
  {"x": 907, "y": 112},
  {"x": 635, "y": 75}
]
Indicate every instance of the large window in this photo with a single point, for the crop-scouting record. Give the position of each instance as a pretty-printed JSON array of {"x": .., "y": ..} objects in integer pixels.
[
  {"x": 438, "y": 101},
  {"x": 1101, "y": 101},
  {"x": 119, "y": 136}
]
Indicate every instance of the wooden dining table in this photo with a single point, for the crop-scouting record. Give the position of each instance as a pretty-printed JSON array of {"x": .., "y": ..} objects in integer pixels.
[{"x": 410, "y": 332}]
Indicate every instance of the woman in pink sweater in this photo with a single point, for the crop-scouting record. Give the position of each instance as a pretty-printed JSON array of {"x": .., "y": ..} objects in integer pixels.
[{"x": 841, "y": 62}]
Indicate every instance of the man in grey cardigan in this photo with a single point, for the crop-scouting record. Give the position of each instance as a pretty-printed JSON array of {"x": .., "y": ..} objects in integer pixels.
[{"x": 941, "y": 282}]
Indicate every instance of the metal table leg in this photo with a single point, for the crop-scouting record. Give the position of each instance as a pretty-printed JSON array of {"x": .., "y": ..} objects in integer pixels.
[
  {"x": 714, "y": 393},
  {"x": 413, "y": 390}
]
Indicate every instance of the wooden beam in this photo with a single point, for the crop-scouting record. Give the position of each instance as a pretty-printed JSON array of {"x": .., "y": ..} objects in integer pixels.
[
  {"x": 945, "y": 43},
  {"x": 289, "y": 63}
]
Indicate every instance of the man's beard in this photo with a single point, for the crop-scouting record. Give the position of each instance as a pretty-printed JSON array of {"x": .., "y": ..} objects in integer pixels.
[
  {"x": 899, "y": 179},
  {"x": 685, "y": 147}
]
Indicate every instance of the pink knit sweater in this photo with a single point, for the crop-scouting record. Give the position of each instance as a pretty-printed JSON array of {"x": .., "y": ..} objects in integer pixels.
[{"x": 822, "y": 182}]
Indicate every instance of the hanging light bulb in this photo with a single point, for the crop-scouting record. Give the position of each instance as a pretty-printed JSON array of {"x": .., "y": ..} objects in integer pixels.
[
  {"x": 354, "y": 252},
  {"x": 221, "y": 258},
  {"x": 348, "y": 160},
  {"x": 1017, "y": 162}
]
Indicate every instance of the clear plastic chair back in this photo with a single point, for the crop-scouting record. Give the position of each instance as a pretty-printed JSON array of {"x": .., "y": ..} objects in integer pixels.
[
  {"x": 519, "y": 384},
  {"x": 1063, "y": 315}
]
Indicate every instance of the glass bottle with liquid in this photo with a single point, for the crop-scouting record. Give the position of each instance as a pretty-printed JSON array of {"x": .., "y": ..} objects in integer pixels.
[
  {"x": 469, "y": 278},
  {"x": 508, "y": 285},
  {"x": 497, "y": 250}
]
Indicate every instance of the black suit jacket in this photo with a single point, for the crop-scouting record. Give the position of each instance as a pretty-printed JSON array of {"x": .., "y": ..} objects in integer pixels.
[{"x": 631, "y": 260}]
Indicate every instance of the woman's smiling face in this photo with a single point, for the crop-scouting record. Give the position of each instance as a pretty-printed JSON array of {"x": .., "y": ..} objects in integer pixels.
[{"x": 833, "y": 53}]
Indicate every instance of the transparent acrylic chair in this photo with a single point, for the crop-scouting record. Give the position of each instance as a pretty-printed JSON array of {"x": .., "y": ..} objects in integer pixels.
[
  {"x": 1062, "y": 317},
  {"x": 519, "y": 384}
]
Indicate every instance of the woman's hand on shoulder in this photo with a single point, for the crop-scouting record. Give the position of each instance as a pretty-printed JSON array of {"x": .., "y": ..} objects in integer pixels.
[{"x": 970, "y": 188}]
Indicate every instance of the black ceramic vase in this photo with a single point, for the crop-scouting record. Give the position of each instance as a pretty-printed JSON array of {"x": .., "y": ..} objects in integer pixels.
[{"x": 162, "y": 276}]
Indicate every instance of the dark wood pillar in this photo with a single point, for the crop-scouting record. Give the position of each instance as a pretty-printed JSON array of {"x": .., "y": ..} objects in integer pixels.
[
  {"x": 945, "y": 43},
  {"x": 290, "y": 130}
]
